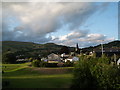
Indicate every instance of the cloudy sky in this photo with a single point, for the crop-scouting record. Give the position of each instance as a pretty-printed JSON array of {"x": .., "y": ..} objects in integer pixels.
[{"x": 64, "y": 23}]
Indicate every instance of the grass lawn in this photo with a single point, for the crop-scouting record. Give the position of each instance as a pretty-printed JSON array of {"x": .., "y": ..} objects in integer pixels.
[
  {"x": 13, "y": 67},
  {"x": 22, "y": 76}
]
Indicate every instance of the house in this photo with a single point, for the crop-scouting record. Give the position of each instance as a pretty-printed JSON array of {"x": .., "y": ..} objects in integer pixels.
[
  {"x": 44, "y": 59},
  {"x": 118, "y": 62},
  {"x": 22, "y": 60},
  {"x": 64, "y": 56},
  {"x": 72, "y": 59},
  {"x": 69, "y": 59},
  {"x": 75, "y": 58},
  {"x": 53, "y": 58}
]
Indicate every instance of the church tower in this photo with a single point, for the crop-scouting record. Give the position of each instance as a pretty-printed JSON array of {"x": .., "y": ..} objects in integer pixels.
[{"x": 77, "y": 50}]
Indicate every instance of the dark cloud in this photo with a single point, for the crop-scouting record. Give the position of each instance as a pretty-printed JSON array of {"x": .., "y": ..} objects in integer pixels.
[
  {"x": 43, "y": 18},
  {"x": 34, "y": 21}
]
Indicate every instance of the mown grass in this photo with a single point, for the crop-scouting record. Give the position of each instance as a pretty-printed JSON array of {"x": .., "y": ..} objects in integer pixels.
[
  {"x": 25, "y": 77},
  {"x": 13, "y": 67}
]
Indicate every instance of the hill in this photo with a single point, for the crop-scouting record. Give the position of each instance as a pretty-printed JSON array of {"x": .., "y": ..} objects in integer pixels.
[
  {"x": 111, "y": 45},
  {"x": 31, "y": 49}
]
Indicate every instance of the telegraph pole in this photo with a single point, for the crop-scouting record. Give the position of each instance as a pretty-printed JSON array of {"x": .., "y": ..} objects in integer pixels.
[
  {"x": 102, "y": 47},
  {"x": 115, "y": 58}
]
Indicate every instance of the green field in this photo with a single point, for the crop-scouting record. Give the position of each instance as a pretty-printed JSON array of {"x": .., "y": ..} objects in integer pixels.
[{"x": 23, "y": 76}]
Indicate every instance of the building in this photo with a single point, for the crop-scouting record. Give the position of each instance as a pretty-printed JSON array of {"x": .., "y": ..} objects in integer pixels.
[
  {"x": 72, "y": 59},
  {"x": 53, "y": 58},
  {"x": 44, "y": 59},
  {"x": 77, "y": 50},
  {"x": 118, "y": 62}
]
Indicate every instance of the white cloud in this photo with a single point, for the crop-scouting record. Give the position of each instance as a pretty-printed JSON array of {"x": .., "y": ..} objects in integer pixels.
[
  {"x": 95, "y": 37},
  {"x": 62, "y": 38},
  {"x": 74, "y": 35},
  {"x": 77, "y": 34},
  {"x": 83, "y": 41},
  {"x": 34, "y": 21}
]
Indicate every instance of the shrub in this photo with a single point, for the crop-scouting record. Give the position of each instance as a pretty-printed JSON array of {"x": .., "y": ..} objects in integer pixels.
[
  {"x": 68, "y": 64},
  {"x": 82, "y": 75},
  {"x": 8, "y": 57},
  {"x": 43, "y": 64},
  {"x": 51, "y": 65},
  {"x": 104, "y": 59},
  {"x": 36, "y": 63},
  {"x": 96, "y": 73},
  {"x": 60, "y": 64},
  {"x": 30, "y": 59}
]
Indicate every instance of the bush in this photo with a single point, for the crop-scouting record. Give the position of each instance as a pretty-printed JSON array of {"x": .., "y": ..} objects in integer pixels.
[
  {"x": 8, "y": 57},
  {"x": 82, "y": 75},
  {"x": 43, "y": 64},
  {"x": 68, "y": 64},
  {"x": 30, "y": 59},
  {"x": 51, "y": 65},
  {"x": 60, "y": 64},
  {"x": 96, "y": 73},
  {"x": 36, "y": 63}
]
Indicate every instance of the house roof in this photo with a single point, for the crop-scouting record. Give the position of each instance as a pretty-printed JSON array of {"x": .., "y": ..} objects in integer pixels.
[
  {"x": 70, "y": 57},
  {"x": 53, "y": 56}
]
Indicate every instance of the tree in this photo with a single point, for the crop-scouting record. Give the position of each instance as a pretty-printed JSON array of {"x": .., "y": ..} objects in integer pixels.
[
  {"x": 8, "y": 57},
  {"x": 65, "y": 50},
  {"x": 36, "y": 63},
  {"x": 96, "y": 73},
  {"x": 83, "y": 77}
]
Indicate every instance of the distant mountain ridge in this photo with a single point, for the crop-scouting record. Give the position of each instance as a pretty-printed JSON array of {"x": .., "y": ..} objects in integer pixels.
[
  {"x": 35, "y": 49},
  {"x": 109, "y": 45},
  {"x": 31, "y": 48}
]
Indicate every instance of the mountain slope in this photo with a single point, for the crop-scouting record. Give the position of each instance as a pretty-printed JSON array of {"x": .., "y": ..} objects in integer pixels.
[
  {"x": 110, "y": 45},
  {"x": 31, "y": 49}
]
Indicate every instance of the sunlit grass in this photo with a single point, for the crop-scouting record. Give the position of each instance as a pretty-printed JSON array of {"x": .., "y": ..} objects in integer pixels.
[
  {"x": 13, "y": 67},
  {"x": 21, "y": 76}
]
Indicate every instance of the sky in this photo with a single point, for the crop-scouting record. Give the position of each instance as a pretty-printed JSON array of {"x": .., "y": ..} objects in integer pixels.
[{"x": 63, "y": 23}]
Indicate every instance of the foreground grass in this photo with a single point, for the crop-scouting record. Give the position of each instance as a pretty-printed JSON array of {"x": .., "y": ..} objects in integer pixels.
[{"x": 27, "y": 78}]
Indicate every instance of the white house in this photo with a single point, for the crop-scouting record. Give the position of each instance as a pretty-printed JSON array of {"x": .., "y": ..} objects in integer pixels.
[
  {"x": 64, "y": 55},
  {"x": 44, "y": 59},
  {"x": 118, "y": 62},
  {"x": 75, "y": 59},
  {"x": 69, "y": 59},
  {"x": 72, "y": 58}
]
